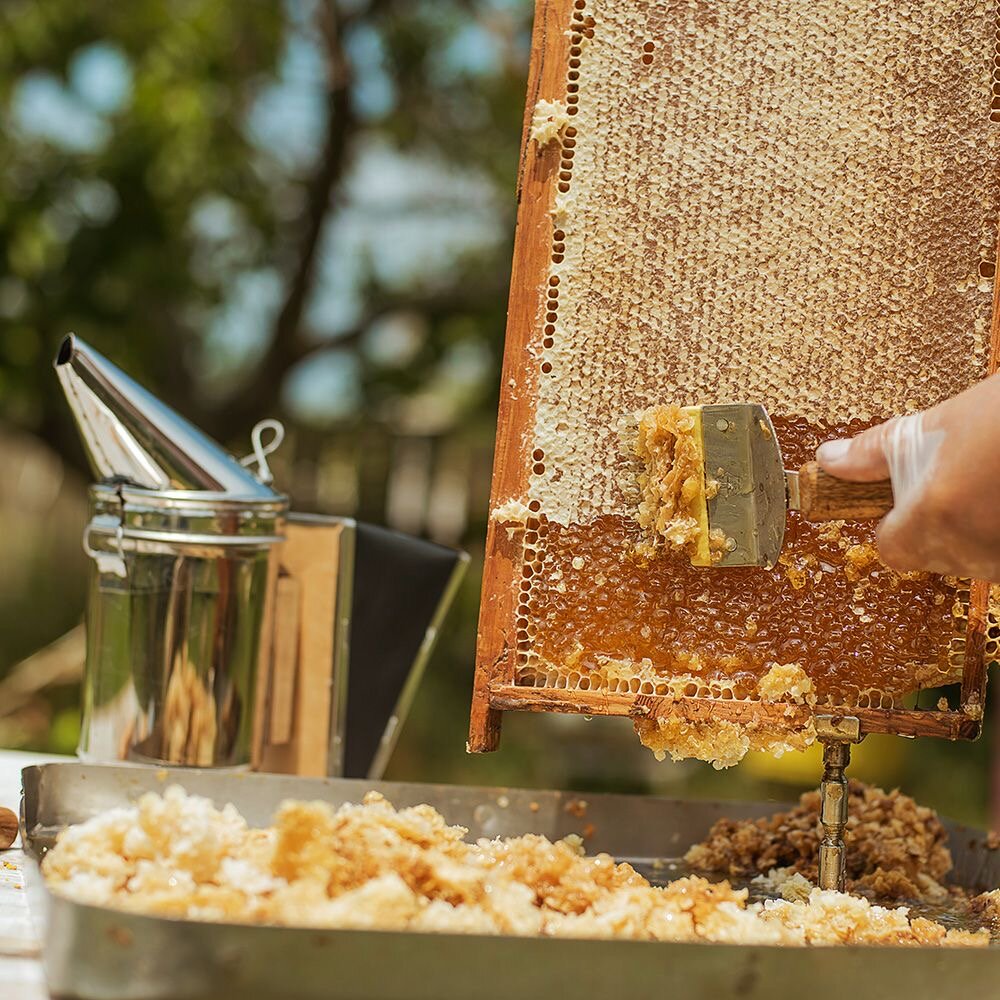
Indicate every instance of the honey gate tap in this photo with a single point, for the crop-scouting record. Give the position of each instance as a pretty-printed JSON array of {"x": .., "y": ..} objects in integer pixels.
[{"x": 837, "y": 733}]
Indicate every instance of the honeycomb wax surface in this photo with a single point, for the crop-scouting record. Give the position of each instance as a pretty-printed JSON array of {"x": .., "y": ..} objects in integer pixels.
[
  {"x": 793, "y": 205},
  {"x": 599, "y": 609}
]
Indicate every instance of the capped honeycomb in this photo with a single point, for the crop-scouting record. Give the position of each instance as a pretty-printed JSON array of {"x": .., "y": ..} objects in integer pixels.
[{"x": 793, "y": 205}]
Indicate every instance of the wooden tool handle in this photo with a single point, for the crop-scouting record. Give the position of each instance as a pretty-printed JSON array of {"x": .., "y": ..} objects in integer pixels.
[{"x": 823, "y": 497}]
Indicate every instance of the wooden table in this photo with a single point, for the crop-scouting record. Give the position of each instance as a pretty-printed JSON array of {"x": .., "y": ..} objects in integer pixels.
[{"x": 20, "y": 943}]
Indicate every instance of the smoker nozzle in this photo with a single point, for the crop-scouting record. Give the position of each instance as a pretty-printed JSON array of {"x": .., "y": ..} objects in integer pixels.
[{"x": 132, "y": 436}]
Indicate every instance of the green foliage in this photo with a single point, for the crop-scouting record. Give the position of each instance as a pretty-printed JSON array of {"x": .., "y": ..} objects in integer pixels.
[
  {"x": 98, "y": 238},
  {"x": 110, "y": 227}
]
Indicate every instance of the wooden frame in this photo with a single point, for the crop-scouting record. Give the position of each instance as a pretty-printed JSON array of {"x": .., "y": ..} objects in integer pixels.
[{"x": 494, "y": 689}]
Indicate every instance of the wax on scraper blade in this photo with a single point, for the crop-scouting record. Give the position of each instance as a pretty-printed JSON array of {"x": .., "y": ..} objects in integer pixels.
[{"x": 741, "y": 510}]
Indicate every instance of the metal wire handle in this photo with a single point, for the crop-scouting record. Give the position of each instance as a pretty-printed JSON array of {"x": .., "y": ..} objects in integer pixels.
[
  {"x": 107, "y": 562},
  {"x": 261, "y": 450}
]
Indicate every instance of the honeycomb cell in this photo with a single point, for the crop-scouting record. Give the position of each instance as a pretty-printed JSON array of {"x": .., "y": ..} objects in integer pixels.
[{"x": 766, "y": 221}]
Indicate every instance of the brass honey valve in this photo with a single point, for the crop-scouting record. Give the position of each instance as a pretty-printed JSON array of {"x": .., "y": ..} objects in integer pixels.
[
  {"x": 833, "y": 815},
  {"x": 837, "y": 733}
]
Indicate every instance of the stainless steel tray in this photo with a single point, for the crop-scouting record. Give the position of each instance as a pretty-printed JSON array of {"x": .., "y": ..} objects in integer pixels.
[{"x": 101, "y": 954}]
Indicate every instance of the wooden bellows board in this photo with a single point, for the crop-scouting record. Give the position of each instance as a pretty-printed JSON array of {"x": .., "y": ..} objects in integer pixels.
[
  {"x": 301, "y": 698},
  {"x": 752, "y": 201}
]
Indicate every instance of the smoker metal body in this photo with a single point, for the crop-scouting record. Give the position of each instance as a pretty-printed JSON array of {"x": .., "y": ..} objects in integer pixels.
[
  {"x": 182, "y": 539},
  {"x": 93, "y": 952},
  {"x": 179, "y": 586}
]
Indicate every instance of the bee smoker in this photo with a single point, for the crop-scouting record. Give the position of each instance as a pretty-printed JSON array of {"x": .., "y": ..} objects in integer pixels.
[{"x": 219, "y": 625}]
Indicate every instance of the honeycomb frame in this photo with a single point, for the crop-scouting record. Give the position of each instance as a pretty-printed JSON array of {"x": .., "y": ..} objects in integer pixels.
[{"x": 561, "y": 27}]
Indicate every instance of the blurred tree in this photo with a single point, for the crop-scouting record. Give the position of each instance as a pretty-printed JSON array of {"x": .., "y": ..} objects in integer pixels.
[
  {"x": 301, "y": 209},
  {"x": 101, "y": 182},
  {"x": 159, "y": 157}
]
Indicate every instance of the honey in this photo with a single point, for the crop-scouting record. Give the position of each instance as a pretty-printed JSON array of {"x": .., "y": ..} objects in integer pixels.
[
  {"x": 718, "y": 741},
  {"x": 784, "y": 681},
  {"x": 372, "y": 867},
  {"x": 675, "y": 490},
  {"x": 864, "y": 635}
]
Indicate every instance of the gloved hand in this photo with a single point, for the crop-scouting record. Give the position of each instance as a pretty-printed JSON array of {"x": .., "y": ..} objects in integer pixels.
[{"x": 944, "y": 465}]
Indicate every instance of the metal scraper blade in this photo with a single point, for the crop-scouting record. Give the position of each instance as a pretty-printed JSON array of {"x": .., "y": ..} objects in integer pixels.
[{"x": 743, "y": 456}]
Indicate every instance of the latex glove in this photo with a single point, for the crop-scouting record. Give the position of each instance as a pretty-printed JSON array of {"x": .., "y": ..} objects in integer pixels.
[{"x": 944, "y": 465}]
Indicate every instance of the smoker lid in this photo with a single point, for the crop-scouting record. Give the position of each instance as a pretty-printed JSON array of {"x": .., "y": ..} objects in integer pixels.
[
  {"x": 131, "y": 436},
  {"x": 120, "y": 511}
]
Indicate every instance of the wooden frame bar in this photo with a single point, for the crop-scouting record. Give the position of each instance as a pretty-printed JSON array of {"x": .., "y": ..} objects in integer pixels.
[
  {"x": 495, "y": 655},
  {"x": 903, "y": 722}
]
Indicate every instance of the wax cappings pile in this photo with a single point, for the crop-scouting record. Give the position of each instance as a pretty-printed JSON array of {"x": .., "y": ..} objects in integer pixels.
[
  {"x": 896, "y": 849},
  {"x": 372, "y": 866}
]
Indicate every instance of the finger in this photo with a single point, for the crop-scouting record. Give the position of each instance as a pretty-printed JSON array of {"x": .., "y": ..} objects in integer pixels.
[{"x": 859, "y": 459}]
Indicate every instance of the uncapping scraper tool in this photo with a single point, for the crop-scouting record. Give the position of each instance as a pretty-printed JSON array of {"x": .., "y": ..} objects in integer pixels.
[{"x": 750, "y": 491}]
